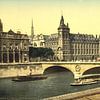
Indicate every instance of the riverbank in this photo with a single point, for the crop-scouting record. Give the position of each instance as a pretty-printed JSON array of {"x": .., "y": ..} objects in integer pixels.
[{"x": 91, "y": 94}]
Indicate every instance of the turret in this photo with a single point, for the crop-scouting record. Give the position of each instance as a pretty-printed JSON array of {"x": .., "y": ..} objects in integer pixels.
[
  {"x": 1, "y": 26},
  {"x": 62, "y": 27},
  {"x": 62, "y": 21},
  {"x": 99, "y": 45},
  {"x": 32, "y": 31},
  {"x": 68, "y": 29}
]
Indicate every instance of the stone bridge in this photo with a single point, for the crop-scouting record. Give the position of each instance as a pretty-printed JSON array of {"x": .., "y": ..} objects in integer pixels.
[{"x": 77, "y": 68}]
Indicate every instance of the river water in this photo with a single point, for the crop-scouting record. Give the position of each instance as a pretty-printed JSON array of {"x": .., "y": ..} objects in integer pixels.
[{"x": 56, "y": 84}]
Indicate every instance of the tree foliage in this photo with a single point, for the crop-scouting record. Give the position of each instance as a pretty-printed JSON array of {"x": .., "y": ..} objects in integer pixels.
[{"x": 40, "y": 52}]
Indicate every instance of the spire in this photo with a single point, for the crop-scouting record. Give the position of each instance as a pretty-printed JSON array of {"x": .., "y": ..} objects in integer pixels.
[
  {"x": 32, "y": 30},
  {"x": 67, "y": 25},
  {"x": 62, "y": 20},
  {"x": 1, "y": 26}
]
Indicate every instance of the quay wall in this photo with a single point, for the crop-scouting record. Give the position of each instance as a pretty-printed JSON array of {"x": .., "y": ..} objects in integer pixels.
[
  {"x": 76, "y": 95},
  {"x": 13, "y": 70}
]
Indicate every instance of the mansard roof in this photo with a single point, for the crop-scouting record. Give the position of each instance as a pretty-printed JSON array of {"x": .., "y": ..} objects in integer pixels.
[
  {"x": 82, "y": 37},
  {"x": 52, "y": 37}
]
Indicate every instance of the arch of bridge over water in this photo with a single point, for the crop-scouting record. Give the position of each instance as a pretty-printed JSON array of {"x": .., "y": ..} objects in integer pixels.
[{"x": 77, "y": 68}]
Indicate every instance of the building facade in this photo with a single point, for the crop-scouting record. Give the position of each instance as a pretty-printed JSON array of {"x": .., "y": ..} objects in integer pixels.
[
  {"x": 72, "y": 47},
  {"x": 37, "y": 40},
  {"x": 13, "y": 46}
]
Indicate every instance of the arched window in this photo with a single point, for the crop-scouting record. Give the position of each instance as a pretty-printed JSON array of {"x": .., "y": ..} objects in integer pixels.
[
  {"x": 16, "y": 47},
  {"x": 59, "y": 48},
  {"x": 4, "y": 48},
  {"x": 35, "y": 44},
  {"x": 10, "y": 48},
  {"x": 41, "y": 43}
]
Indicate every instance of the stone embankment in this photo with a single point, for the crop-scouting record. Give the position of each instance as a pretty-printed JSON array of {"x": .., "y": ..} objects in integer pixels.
[
  {"x": 91, "y": 94},
  {"x": 16, "y": 69}
]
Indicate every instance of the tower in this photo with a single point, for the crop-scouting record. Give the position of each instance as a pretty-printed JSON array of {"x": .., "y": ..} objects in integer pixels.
[
  {"x": 1, "y": 26},
  {"x": 32, "y": 31},
  {"x": 99, "y": 46},
  {"x": 64, "y": 40},
  {"x": 63, "y": 29}
]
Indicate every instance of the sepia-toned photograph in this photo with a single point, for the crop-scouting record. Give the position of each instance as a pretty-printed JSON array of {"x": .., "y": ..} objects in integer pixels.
[{"x": 49, "y": 50}]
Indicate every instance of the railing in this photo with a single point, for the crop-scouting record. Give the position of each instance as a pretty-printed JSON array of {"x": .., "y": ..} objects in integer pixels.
[{"x": 29, "y": 63}]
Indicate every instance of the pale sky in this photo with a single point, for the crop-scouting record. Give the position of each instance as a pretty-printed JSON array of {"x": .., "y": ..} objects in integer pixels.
[{"x": 83, "y": 16}]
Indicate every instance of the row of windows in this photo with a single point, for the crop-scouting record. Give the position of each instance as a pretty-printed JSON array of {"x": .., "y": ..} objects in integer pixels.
[
  {"x": 52, "y": 43},
  {"x": 85, "y": 45},
  {"x": 78, "y": 51},
  {"x": 80, "y": 57},
  {"x": 75, "y": 45},
  {"x": 11, "y": 48},
  {"x": 86, "y": 51},
  {"x": 65, "y": 42},
  {"x": 38, "y": 44}
]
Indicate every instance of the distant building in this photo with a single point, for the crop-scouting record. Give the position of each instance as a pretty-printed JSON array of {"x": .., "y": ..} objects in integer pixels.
[
  {"x": 71, "y": 47},
  {"x": 13, "y": 46},
  {"x": 39, "y": 40}
]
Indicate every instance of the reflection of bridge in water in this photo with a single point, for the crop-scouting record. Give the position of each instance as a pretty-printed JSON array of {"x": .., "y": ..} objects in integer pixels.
[{"x": 77, "y": 68}]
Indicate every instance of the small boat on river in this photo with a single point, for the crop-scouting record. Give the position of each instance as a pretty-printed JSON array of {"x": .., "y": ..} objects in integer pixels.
[
  {"x": 86, "y": 80},
  {"x": 28, "y": 78},
  {"x": 82, "y": 83}
]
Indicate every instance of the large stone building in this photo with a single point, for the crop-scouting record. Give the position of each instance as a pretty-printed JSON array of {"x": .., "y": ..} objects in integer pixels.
[
  {"x": 68, "y": 46},
  {"x": 72, "y": 47},
  {"x": 13, "y": 46}
]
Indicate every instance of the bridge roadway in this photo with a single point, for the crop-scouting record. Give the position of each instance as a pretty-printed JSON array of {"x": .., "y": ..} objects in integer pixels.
[{"x": 14, "y": 69}]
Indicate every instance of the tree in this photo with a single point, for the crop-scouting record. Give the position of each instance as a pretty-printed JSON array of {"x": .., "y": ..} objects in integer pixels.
[{"x": 41, "y": 52}]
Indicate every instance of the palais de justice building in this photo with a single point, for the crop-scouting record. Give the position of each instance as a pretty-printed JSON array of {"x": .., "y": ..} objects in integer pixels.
[
  {"x": 68, "y": 46},
  {"x": 13, "y": 46}
]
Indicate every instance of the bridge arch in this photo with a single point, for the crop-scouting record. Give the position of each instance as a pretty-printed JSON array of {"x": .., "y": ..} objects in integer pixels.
[
  {"x": 94, "y": 70},
  {"x": 58, "y": 67}
]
